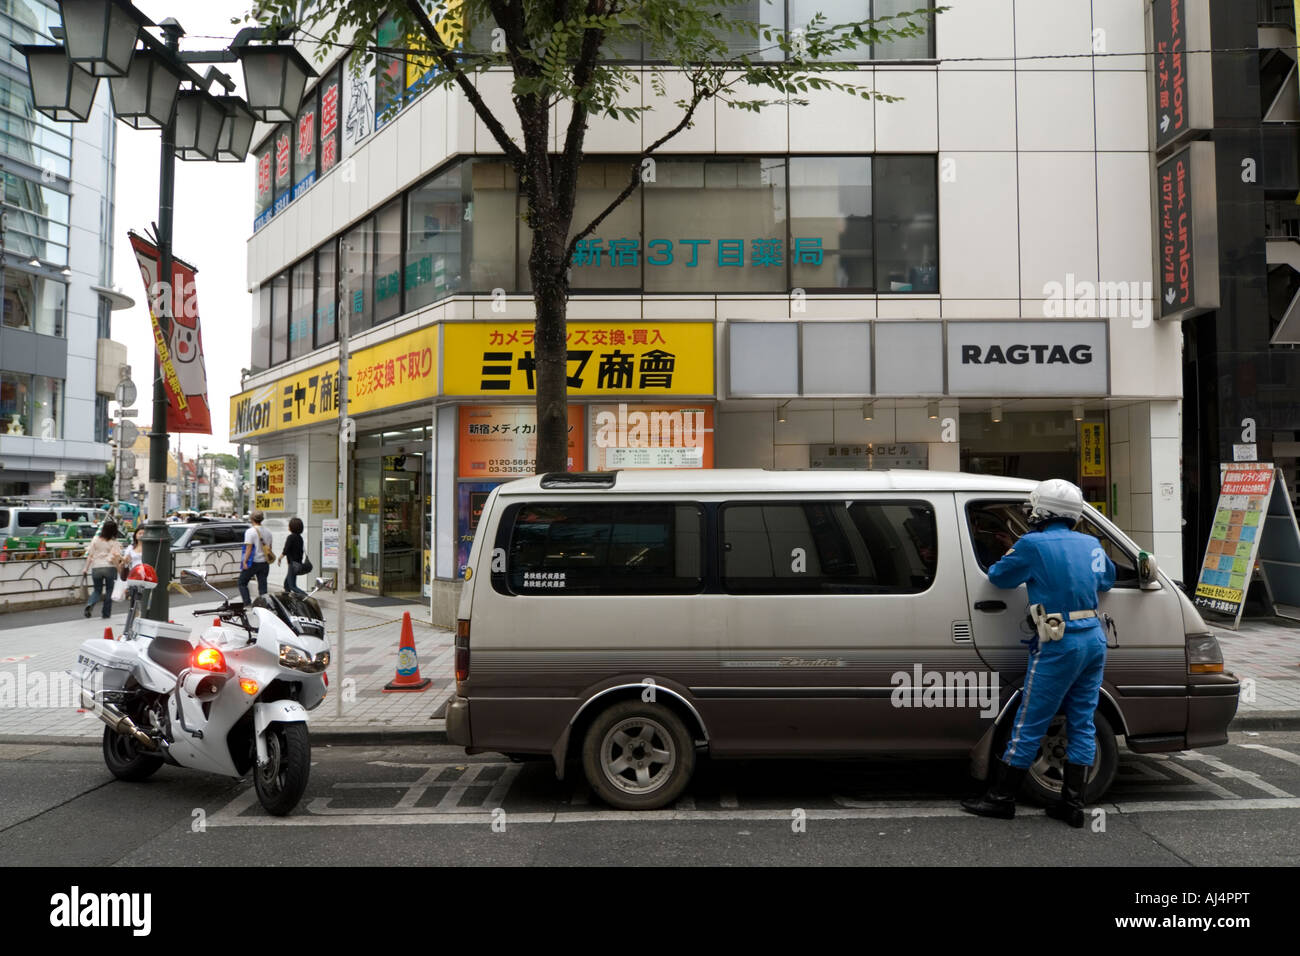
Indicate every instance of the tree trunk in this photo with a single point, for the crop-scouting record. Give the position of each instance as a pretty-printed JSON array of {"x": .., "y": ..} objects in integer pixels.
[{"x": 549, "y": 276}]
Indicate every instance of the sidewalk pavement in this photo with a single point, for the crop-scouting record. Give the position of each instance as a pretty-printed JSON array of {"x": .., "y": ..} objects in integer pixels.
[
  {"x": 355, "y": 708},
  {"x": 1265, "y": 654}
]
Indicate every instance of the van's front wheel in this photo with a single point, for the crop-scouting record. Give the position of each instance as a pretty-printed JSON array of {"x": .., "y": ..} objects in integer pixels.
[
  {"x": 638, "y": 756},
  {"x": 1045, "y": 773}
]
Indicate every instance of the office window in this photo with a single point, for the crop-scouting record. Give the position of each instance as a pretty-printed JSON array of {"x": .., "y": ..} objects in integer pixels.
[
  {"x": 47, "y": 407},
  {"x": 329, "y": 93},
  {"x": 280, "y": 318},
  {"x": 388, "y": 261},
  {"x": 303, "y": 281},
  {"x": 33, "y": 302},
  {"x": 260, "y": 357},
  {"x": 610, "y": 258},
  {"x": 282, "y": 182},
  {"x": 843, "y": 12},
  {"x": 493, "y": 224},
  {"x": 435, "y": 211},
  {"x": 828, "y": 547},
  {"x": 326, "y": 294},
  {"x": 15, "y": 403},
  {"x": 907, "y": 224},
  {"x": 304, "y": 146},
  {"x": 830, "y": 212},
  {"x": 355, "y": 253},
  {"x": 592, "y": 548},
  {"x": 390, "y": 72},
  {"x": 263, "y": 196},
  {"x": 716, "y": 225},
  {"x": 904, "y": 48}
]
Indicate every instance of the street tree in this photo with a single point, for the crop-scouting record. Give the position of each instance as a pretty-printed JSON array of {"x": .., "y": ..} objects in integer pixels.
[{"x": 573, "y": 54}]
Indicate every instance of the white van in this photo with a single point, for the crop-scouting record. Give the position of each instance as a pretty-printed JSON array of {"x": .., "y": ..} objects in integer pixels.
[
  {"x": 630, "y": 619},
  {"x": 25, "y": 519}
]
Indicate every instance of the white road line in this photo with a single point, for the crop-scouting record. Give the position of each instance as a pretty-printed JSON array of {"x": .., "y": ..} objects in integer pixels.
[
  {"x": 1221, "y": 769},
  {"x": 1273, "y": 752},
  {"x": 1203, "y": 782},
  {"x": 229, "y": 815}
]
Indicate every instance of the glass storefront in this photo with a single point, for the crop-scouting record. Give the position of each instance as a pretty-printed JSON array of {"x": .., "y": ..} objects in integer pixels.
[{"x": 390, "y": 513}]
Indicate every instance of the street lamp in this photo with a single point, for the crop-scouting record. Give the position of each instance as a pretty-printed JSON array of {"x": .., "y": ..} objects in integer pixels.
[
  {"x": 101, "y": 34},
  {"x": 145, "y": 96},
  {"x": 275, "y": 77},
  {"x": 61, "y": 90},
  {"x": 99, "y": 39},
  {"x": 199, "y": 118}
]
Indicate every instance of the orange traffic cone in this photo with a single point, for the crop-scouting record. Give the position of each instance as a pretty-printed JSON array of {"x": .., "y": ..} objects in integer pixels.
[
  {"x": 108, "y": 634},
  {"x": 407, "y": 677}
]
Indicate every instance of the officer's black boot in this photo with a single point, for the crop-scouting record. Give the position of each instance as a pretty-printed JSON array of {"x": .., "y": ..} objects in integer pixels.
[
  {"x": 1000, "y": 798},
  {"x": 1070, "y": 807}
]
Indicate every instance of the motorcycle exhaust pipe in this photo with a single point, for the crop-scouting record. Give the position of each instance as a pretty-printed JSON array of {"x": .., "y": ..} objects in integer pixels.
[{"x": 117, "y": 720}]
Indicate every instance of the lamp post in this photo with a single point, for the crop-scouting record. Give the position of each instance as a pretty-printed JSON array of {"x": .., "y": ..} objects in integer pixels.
[{"x": 100, "y": 39}]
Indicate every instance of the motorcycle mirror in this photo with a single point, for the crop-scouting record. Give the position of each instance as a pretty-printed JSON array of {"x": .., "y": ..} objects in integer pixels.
[
  {"x": 191, "y": 572},
  {"x": 326, "y": 583}
]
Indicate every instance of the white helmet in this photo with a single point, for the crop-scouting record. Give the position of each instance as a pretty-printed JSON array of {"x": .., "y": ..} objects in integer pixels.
[{"x": 1055, "y": 498}]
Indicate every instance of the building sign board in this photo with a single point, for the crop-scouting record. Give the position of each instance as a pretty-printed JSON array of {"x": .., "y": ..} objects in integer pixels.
[
  {"x": 1027, "y": 358},
  {"x": 1187, "y": 230},
  {"x": 1184, "y": 94}
]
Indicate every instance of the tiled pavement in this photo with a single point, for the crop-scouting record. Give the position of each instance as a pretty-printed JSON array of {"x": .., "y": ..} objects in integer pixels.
[
  {"x": 1265, "y": 652},
  {"x": 35, "y": 656}
]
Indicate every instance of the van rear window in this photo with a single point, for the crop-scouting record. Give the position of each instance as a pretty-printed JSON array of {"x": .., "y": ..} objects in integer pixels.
[
  {"x": 34, "y": 519},
  {"x": 596, "y": 548},
  {"x": 829, "y": 547}
]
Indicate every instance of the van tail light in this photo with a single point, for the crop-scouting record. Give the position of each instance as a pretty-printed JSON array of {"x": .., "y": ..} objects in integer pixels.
[
  {"x": 1204, "y": 656},
  {"x": 462, "y": 650}
]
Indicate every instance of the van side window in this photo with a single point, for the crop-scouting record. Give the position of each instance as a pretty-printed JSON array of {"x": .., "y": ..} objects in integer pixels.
[
  {"x": 34, "y": 519},
  {"x": 829, "y": 547},
  {"x": 597, "y": 548},
  {"x": 995, "y": 526}
]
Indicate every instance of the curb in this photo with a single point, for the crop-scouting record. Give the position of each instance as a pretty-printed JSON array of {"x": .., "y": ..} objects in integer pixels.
[{"x": 1266, "y": 720}]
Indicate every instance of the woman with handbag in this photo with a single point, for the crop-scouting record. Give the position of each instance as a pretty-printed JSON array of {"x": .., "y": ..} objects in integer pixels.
[
  {"x": 294, "y": 546},
  {"x": 103, "y": 558}
]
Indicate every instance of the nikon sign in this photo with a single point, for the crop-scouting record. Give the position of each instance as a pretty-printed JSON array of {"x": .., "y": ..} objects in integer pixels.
[{"x": 1027, "y": 358}]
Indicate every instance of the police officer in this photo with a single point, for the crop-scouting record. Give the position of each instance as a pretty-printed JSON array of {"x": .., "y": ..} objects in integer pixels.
[{"x": 1064, "y": 570}]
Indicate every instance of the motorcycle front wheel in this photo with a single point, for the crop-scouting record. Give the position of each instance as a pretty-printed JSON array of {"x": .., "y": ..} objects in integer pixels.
[{"x": 281, "y": 782}]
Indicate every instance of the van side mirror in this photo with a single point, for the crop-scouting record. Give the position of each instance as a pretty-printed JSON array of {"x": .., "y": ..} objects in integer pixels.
[{"x": 1147, "y": 570}]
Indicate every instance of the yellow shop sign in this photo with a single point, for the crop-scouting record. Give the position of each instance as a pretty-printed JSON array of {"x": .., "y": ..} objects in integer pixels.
[
  {"x": 393, "y": 373},
  {"x": 646, "y": 357}
]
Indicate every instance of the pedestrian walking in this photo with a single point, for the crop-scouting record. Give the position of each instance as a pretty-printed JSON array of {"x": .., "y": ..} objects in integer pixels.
[
  {"x": 1063, "y": 570},
  {"x": 294, "y": 546},
  {"x": 256, "y": 557},
  {"x": 103, "y": 559}
]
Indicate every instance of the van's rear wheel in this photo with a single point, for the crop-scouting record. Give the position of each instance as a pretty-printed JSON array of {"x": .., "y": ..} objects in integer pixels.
[
  {"x": 638, "y": 756},
  {"x": 1043, "y": 782}
]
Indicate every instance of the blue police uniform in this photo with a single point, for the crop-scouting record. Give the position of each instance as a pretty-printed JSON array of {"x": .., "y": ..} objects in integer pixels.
[{"x": 1063, "y": 570}]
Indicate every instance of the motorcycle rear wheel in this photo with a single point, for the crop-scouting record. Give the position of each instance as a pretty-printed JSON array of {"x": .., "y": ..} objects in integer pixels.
[
  {"x": 281, "y": 783},
  {"x": 125, "y": 759}
]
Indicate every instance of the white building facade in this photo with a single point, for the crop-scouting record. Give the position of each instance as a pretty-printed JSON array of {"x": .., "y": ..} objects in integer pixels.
[{"x": 961, "y": 279}]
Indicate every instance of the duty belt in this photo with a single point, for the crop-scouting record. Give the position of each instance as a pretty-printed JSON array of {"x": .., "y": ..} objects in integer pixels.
[{"x": 1050, "y": 625}]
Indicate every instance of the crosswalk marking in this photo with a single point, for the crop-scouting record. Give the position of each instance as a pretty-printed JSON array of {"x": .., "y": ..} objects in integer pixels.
[{"x": 1247, "y": 777}]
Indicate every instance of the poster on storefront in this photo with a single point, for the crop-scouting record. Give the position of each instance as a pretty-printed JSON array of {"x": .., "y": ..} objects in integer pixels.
[
  {"x": 329, "y": 544},
  {"x": 471, "y": 496},
  {"x": 1244, "y": 492},
  {"x": 273, "y": 481},
  {"x": 650, "y": 436},
  {"x": 358, "y": 102},
  {"x": 606, "y": 359},
  {"x": 500, "y": 441},
  {"x": 174, "y": 315},
  {"x": 1092, "y": 449}
]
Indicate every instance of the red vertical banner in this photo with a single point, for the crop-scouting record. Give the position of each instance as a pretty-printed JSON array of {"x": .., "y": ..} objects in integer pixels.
[{"x": 179, "y": 347}]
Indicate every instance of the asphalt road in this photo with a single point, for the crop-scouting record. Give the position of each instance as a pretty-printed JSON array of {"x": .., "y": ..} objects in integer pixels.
[{"x": 431, "y": 805}]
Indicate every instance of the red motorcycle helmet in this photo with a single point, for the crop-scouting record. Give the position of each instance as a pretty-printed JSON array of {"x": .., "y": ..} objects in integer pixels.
[{"x": 142, "y": 576}]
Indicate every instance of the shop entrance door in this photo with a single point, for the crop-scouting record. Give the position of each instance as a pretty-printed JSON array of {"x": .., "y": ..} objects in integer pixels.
[{"x": 403, "y": 526}]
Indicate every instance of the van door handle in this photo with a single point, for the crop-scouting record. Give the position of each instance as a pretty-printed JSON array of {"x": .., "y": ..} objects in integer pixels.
[{"x": 990, "y": 605}]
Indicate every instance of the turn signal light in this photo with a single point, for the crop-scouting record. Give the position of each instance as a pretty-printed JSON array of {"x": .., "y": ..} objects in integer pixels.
[
  {"x": 249, "y": 687},
  {"x": 1207, "y": 668},
  {"x": 209, "y": 659}
]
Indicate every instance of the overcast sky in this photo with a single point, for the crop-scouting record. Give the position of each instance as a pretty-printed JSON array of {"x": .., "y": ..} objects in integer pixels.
[{"x": 213, "y": 220}]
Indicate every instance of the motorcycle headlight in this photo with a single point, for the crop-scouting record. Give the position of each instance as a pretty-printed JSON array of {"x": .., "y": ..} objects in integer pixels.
[{"x": 294, "y": 657}]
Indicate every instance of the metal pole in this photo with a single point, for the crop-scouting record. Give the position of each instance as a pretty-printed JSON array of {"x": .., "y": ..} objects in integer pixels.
[
  {"x": 155, "y": 541},
  {"x": 341, "y": 390}
]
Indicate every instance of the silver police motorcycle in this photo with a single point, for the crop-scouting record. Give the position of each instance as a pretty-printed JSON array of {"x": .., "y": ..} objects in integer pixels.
[{"x": 225, "y": 698}]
